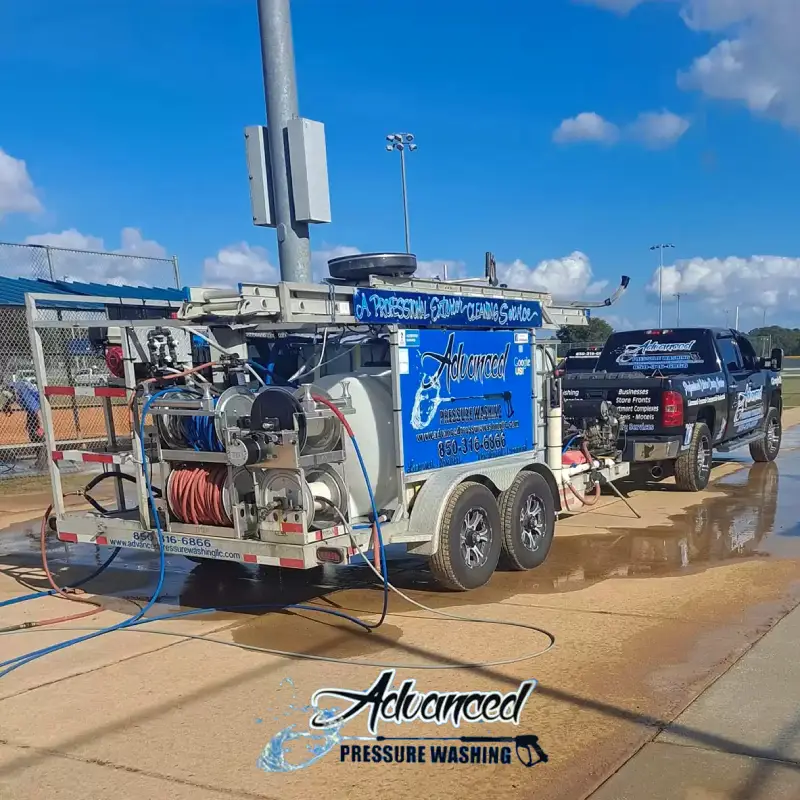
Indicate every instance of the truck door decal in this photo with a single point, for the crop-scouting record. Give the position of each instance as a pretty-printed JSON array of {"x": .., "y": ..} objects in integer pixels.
[{"x": 749, "y": 408}]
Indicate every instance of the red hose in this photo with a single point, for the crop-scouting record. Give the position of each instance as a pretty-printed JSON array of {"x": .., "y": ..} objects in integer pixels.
[
  {"x": 582, "y": 497},
  {"x": 195, "y": 495},
  {"x": 75, "y": 595}
]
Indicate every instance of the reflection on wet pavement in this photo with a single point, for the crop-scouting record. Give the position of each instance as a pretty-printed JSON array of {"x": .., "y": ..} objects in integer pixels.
[{"x": 756, "y": 516}]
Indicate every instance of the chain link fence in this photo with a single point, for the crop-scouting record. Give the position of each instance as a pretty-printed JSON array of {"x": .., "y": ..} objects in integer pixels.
[
  {"x": 80, "y": 422},
  {"x": 48, "y": 263}
]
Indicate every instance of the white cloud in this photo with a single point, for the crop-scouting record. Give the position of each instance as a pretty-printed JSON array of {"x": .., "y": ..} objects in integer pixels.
[
  {"x": 239, "y": 263},
  {"x": 243, "y": 262},
  {"x": 568, "y": 277},
  {"x": 619, "y": 322},
  {"x": 586, "y": 127},
  {"x": 127, "y": 264},
  {"x": 658, "y": 129},
  {"x": 321, "y": 257},
  {"x": 435, "y": 269},
  {"x": 755, "y": 60},
  {"x": 758, "y": 282},
  {"x": 17, "y": 192}
]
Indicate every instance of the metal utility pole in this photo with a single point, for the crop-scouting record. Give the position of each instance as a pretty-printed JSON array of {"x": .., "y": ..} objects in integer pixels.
[
  {"x": 280, "y": 89},
  {"x": 399, "y": 142},
  {"x": 678, "y": 298},
  {"x": 660, "y": 248},
  {"x": 736, "y": 324}
]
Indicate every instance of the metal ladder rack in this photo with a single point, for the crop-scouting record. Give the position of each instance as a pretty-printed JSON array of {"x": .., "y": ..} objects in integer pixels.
[{"x": 293, "y": 304}]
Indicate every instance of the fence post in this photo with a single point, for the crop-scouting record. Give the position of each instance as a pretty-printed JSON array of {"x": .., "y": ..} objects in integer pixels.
[
  {"x": 176, "y": 271},
  {"x": 50, "y": 265}
]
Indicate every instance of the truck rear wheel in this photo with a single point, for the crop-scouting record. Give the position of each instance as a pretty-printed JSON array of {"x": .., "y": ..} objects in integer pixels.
[
  {"x": 528, "y": 517},
  {"x": 470, "y": 538},
  {"x": 769, "y": 445},
  {"x": 693, "y": 466}
]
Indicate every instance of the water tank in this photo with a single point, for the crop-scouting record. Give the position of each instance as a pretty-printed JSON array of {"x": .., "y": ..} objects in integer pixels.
[{"x": 370, "y": 390}]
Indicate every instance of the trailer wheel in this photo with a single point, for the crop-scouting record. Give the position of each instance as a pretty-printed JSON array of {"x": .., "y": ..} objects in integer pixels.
[
  {"x": 768, "y": 447},
  {"x": 469, "y": 539},
  {"x": 693, "y": 466},
  {"x": 528, "y": 517}
]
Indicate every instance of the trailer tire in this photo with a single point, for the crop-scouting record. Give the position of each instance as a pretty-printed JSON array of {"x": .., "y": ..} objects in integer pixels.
[
  {"x": 528, "y": 517},
  {"x": 769, "y": 445},
  {"x": 693, "y": 466},
  {"x": 470, "y": 531}
]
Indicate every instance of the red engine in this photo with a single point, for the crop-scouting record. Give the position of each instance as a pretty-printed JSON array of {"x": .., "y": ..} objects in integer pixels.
[{"x": 114, "y": 361}]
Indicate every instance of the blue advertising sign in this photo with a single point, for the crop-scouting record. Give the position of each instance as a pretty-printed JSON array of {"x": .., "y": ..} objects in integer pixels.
[
  {"x": 385, "y": 307},
  {"x": 466, "y": 396}
]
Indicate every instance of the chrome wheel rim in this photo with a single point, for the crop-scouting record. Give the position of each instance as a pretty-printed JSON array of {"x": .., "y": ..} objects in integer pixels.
[
  {"x": 531, "y": 523},
  {"x": 703, "y": 457},
  {"x": 475, "y": 538},
  {"x": 774, "y": 434}
]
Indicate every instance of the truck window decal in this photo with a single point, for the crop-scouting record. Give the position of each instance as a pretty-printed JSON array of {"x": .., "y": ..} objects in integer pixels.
[
  {"x": 688, "y": 350},
  {"x": 653, "y": 354}
]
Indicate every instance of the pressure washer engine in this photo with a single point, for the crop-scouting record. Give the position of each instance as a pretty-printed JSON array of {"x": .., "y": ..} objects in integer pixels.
[
  {"x": 593, "y": 422},
  {"x": 375, "y": 409}
]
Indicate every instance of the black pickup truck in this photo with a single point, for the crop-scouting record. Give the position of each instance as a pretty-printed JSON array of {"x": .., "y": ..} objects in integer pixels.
[{"x": 679, "y": 394}]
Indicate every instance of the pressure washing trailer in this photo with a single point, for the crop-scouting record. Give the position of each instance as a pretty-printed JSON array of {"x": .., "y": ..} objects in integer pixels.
[{"x": 330, "y": 419}]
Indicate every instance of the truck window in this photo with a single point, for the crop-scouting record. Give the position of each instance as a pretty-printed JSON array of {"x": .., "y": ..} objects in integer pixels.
[
  {"x": 749, "y": 356},
  {"x": 729, "y": 352},
  {"x": 581, "y": 360},
  {"x": 688, "y": 351}
]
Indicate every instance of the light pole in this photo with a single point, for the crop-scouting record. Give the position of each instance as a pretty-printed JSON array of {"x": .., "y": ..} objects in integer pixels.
[
  {"x": 736, "y": 324},
  {"x": 399, "y": 142},
  {"x": 660, "y": 248},
  {"x": 280, "y": 88},
  {"x": 678, "y": 298}
]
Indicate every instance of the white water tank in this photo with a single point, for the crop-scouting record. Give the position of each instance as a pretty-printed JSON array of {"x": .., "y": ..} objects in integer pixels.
[{"x": 370, "y": 390}]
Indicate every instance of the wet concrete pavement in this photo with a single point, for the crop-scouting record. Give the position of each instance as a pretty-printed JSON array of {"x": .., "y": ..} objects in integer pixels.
[{"x": 646, "y": 614}]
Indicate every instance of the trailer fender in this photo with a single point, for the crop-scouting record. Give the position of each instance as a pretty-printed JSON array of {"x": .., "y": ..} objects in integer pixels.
[{"x": 430, "y": 503}]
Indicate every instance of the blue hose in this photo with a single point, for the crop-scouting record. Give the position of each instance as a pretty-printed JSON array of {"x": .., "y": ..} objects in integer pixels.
[
  {"x": 566, "y": 446},
  {"x": 138, "y": 618},
  {"x": 49, "y": 592},
  {"x": 19, "y": 661}
]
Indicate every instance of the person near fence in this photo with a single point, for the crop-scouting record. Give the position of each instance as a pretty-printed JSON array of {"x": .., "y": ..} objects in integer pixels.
[{"x": 26, "y": 395}]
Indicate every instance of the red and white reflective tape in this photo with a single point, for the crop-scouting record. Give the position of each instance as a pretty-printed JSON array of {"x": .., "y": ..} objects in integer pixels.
[
  {"x": 84, "y": 391},
  {"x": 291, "y": 563},
  {"x": 91, "y": 458},
  {"x": 82, "y": 537}
]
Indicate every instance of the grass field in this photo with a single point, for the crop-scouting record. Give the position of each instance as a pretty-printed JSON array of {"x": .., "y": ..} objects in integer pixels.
[{"x": 791, "y": 391}]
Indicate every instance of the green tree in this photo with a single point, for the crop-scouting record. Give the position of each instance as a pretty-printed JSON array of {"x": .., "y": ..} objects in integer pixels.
[
  {"x": 596, "y": 332},
  {"x": 786, "y": 338}
]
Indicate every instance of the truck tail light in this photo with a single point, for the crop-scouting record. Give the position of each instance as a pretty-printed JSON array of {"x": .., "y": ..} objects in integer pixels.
[{"x": 671, "y": 409}]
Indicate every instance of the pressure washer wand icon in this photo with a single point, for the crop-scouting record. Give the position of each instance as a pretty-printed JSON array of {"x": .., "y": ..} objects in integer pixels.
[{"x": 527, "y": 745}]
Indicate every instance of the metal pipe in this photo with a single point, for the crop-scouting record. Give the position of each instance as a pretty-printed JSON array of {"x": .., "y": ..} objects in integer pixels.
[
  {"x": 280, "y": 89},
  {"x": 405, "y": 199}
]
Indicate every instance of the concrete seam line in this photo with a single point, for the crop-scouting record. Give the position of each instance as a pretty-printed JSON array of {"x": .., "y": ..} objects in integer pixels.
[
  {"x": 789, "y": 762},
  {"x": 658, "y": 729},
  {"x": 87, "y": 671},
  {"x": 99, "y": 762}
]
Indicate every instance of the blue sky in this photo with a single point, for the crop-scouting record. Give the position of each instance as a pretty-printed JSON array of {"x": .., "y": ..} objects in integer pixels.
[{"x": 129, "y": 116}]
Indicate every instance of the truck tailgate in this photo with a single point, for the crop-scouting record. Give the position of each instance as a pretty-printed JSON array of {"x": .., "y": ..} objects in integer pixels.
[{"x": 637, "y": 399}]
